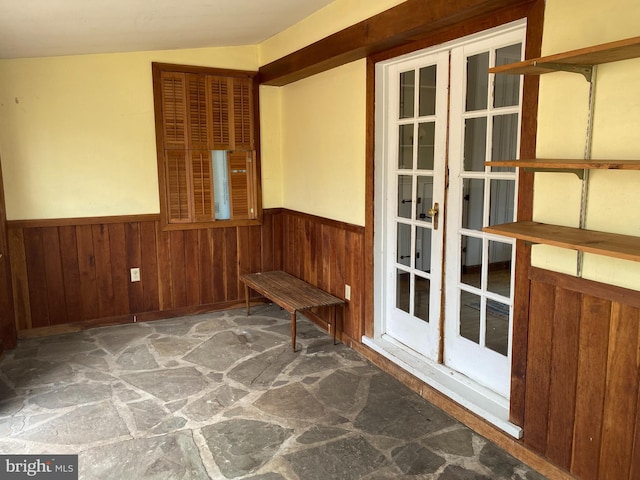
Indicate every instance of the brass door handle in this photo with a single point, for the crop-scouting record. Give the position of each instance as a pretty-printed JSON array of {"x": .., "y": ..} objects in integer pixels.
[{"x": 433, "y": 213}]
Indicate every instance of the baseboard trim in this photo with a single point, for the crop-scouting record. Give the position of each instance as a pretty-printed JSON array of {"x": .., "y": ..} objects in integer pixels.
[{"x": 132, "y": 318}]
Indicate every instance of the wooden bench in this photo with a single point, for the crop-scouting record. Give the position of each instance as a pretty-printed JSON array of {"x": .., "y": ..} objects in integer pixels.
[{"x": 292, "y": 294}]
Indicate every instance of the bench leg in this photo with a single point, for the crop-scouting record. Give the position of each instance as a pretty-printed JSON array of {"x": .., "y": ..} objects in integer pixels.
[
  {"x": 293, "y": 330},
  {"x": 246, "y": 296}
]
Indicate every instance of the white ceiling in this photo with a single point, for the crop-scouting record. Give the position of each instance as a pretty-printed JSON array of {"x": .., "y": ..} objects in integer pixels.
[{"x": 37, "y": 28}]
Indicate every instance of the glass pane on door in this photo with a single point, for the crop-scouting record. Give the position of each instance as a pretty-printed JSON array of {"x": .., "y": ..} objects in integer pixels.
[{"x": 479, "y": 271}]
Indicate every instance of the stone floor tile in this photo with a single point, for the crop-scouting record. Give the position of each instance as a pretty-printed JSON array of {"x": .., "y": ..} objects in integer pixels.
[
  {"x": 72, "y": 395},
  {"x": 173, "y": 456},
  {"x": 414, "y": 459},
  {"x": 261, "y": 370},
  {"x": 346, "y": 458},
  {"x": 454, "y": 472},
  {"x": 222, "y": 395},
  {"x": 291, "y": 401},
  {"x": 169, "y": 384},
  {"x": 392, "y": 409},
  {"x": 242, "y": 446},
  {"x": 82, "y": 425},
  {"x": 456, "y": 442}
]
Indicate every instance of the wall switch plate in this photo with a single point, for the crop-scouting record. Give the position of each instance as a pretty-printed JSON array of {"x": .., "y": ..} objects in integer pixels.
[
  {"x": 135, "y": 274},
  {"x": 347, "y": 292}
]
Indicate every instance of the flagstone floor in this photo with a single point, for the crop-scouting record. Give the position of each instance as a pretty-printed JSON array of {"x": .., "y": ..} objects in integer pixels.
[{"x": 223, "y": 396}]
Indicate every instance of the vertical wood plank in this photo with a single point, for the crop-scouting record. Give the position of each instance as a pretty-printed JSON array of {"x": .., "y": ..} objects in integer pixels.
[
  {"x": 104, "y": 281},
  {"x": 338, "y": 262},
  {"x": 132, "y": 238},
  {"x": 538, "y": 372},
  {"x": 319, "y": 253},
  {"x": 230, "y": 275},
  {"x": 564, "y": 372},
  {"x": 327, "y": 253},
  {"x": 311, "y": 252},
  {"x": 255, "y": 241},
  {"x": 34, "y": 253},
  {"x": 268, "y": 253},
  {"x": 19, "y": 278},
  {"x": 244, "y": 256},
  {"x": 149, "y": 259},
  {"x": 87, "y": 270},
  {"x": 590, "y": 387},
  {"x": 55, "y": 281},
  {"x": 218, "y": 262},
  {"x": 621, "y": 393},
  {"x": 120, "y": 269},
  {"x": 71, "y": 273},
  {"x": 206, "y": 265},
  {"x": 178, "y": 273},
  {"x": 278, "y": 242},
  {"x": 165, "y": 295},
  {"x": 635, "y": 457},
  {"x": 353, "y": 319},
  {"x": 192, "y": 267}
]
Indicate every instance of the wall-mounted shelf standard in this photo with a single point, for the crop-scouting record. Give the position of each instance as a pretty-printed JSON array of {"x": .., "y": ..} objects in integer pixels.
[
  {"x": 577, "y": 61},
  {"x": 582, "y": 61},
  {"x": 610, "y": 244},
  {"x": 566, "y": 165}
]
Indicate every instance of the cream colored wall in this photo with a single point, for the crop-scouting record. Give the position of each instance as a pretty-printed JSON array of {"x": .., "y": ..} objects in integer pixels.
[
  {"x": 323, "y": 144},
  {"x": 614, "y": 197},
  {"x": 322, "y": 119},
  {"x": 77, "y": 135}
]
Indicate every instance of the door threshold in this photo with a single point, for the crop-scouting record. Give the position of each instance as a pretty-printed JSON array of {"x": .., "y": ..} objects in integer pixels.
[{"x": 459, "y": 388}]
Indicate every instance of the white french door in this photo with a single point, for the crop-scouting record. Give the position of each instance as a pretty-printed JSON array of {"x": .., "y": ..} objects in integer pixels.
[
  {"x": 443, "y": 115},
  {"x": 416, "y": 149}
]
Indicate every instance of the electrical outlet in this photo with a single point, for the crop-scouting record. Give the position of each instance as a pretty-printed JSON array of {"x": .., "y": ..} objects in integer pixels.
[
  {"x": 135, "y": 274},
  {"x": 347, "y": 292}
]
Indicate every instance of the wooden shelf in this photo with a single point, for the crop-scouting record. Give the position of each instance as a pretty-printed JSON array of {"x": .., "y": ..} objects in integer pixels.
[
  {"x": 564, "y": 164},
  {"x": 575, "y": 60},
  {"x": 625, "y": 247}
]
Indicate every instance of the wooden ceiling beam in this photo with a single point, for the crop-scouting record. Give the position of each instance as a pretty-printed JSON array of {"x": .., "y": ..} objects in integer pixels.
[{"x": 405, "y": 23}]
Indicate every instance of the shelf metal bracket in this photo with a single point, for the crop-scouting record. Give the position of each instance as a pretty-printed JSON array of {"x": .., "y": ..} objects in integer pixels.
[
  {"x": 579, "y": 172},
  {"x": 584, "y": 70}
]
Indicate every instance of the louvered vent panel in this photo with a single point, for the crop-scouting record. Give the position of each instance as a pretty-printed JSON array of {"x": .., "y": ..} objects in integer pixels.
[
  {"x": 202, "y": 185},
  {"x": 174, "y": 110},
  {"x": 238, "y": 185},
  {"x": 197, "y": 108},
  {"x": 219, "y": 98},
  {"x": 177, "y": 186},
  {"x": 242, "y": 108}
]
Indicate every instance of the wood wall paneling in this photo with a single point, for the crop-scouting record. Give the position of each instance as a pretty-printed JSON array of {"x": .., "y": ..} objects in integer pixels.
[
  {"x": 326, "y": 253},
  {"x": 621, "y": 394},
  {"x": 590, "y": 387},
  {"x": 539, "y": 372},
  {"x": 583, "y": 376},
  {"x": 66, "y": 274}
]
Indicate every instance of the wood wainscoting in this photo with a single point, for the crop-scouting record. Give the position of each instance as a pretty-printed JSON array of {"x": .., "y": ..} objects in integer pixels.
[
  {"x": 70, "y": 274},
  {"x": 582, "y": 406},
  {"x": 329, "y": 255}
]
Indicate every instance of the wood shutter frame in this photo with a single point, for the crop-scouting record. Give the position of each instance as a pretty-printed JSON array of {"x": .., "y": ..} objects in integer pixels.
[{"x": 200, "y": 109}]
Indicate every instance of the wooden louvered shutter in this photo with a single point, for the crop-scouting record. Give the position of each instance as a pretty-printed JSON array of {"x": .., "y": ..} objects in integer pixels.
[
  {"x": 197, "y": 111},
  {"x": 220, "y": 126},
  {"x": 174, "y": 110},
  {"x": 241, "y": 176},
  {"x": 177, "y": 179},
  {"x": 202, "y": 185},
  {"x": 243, "y": 113}
]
